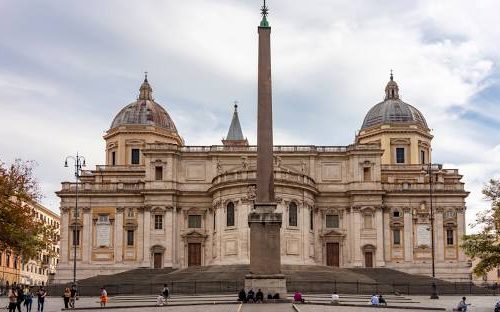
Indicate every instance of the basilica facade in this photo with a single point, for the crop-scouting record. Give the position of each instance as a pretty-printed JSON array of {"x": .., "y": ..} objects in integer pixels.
[{"x": 160, "y": 203}]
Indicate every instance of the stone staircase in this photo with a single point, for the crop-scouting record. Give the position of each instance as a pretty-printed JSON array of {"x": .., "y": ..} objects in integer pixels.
[{"x": 308, "y": 279}]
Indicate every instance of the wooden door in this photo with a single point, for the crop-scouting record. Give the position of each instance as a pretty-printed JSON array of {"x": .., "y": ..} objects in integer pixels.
[
  {"x": 194, "y": 254},
  {"x": 157, "y": 260},
  {"x": 333, "y": 254},
  {"x": 369, "y": 259}
]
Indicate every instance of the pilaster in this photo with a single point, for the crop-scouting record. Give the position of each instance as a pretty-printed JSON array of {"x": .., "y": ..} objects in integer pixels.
[
  {"x": 118, "y": 247},
  {"x": 379, "y": 253},
  {"x": 408, "y": 234},
  {"x": 147, "y": 237},
  {"x": 439, "y": 242},
  {"x": 461, "y": 233},
  {"x": 64, "y": 228},
  {"x": 86, "y": 235}
]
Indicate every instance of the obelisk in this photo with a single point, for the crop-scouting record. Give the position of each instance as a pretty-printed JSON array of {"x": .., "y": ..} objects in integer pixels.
[{"x": 264, "y": 221}]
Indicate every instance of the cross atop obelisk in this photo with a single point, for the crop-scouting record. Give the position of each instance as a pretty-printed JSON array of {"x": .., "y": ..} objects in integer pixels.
[{"x": 264, "y": 222}]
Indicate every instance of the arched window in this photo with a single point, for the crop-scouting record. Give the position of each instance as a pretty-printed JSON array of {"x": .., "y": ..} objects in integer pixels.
[
  {"x": 230, "y": 214},
  {"x": 292, "y": 214}
]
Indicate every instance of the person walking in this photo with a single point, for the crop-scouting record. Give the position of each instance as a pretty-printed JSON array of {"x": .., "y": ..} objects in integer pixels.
[
  {"x": 12, "y": 299},
  {"x": 104, "y": 297},
  {"x": 41, "y": 299},
  {"x": 66, "y": 296},
  {"x": 20, "y": 298},
  {"x": 72, "y": 296},
  {"x": 28, "y": 300}
]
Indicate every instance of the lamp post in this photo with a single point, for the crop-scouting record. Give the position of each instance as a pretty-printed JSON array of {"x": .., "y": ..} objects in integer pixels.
[
  {"x": 429, "y": 169},
  {"x": 79, "y": 163}
]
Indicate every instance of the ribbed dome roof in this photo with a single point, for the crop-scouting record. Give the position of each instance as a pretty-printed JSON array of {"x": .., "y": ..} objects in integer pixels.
[
  {"x": 393, "y": 110},
  {"x": 144, "y": 111}
]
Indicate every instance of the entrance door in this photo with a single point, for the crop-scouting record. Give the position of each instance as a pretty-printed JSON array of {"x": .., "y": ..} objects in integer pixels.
[
  {"x": 194, "y": 254},
  {"x": 333, "y": 254},
  {"x": 157, "y": 260},
  {"x": 369, "y": 259}
]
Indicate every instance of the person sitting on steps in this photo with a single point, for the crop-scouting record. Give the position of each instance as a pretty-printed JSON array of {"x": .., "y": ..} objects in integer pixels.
[
  {"x": 297, "y": 297},
  {"x": 251, "y": 296},
  {"x": 335, "y": 298},
  {"x": 242, "y": 296},
  {"x": 381, "y": 301},
  {"x": 259, "y": 296}
]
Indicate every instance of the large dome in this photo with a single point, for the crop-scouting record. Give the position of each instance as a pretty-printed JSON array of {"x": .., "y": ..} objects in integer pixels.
[
  {"x": 393, "y": 110},
  {"x": 144, "y": 111}
]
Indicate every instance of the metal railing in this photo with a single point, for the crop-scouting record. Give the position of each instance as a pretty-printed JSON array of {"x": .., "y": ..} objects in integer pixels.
[{"x": 325, "y": 287}]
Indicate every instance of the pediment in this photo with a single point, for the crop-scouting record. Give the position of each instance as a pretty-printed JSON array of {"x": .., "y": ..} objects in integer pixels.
[{"x": 333, "y": 233}]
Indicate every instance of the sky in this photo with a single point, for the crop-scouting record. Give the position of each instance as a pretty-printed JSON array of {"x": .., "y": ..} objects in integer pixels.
[{"x": 68, "y": 67}]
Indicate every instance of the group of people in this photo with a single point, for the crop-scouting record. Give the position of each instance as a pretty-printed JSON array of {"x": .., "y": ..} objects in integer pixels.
[
  {"x": 377, "y": 300},
  {"x": 251, "y": 296},
  {"x": 19, "y": 297},
  {"x": 69, "y": 297}
]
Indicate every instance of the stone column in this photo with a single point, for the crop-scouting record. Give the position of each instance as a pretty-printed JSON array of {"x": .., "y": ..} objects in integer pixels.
[
  {"x": 87, "y": 241},
  {"x": 408, "y": 234},
  {"x": 118, "y": 246},
  {"x": 65, "y": 232},
  {"x": 439, "y": 240},
  {"x": 379, "y": 253},
  {"x": 146, "y": 262}
]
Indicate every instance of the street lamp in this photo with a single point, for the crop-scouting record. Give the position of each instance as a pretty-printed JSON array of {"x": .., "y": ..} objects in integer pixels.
[
  {"x": 429, "y": 169},
  {"x": 79, "y": 162}
]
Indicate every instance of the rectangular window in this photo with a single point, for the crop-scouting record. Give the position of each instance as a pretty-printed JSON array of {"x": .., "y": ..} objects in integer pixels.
[
  {"x": 332, "y": 221},
  {"x": 449, "y": 237},
  {"x": 7, "y": 259},
  {"x": 113, "y": 158},
  {"x": 311, "y": 219},
  {"x": 194, "y": 221},
  {"x": 367, "y": 174},
  {"x": 396, "y": 235},
  {"x": 498, "y": 272},
  {"x": 400, "y": 155},
  {"x": 422, "y": 156},
  {"x": 158, "y": 222},
  {"x": 130, "y": 238},
  {"x": 103, "y": 218},
  {"x": 135, "y": 156},
  {"x": 76, "y": 237},
  {"x": 158, "y": 173},
  {"x": 367, "y": 221},
  {"x": 15, "y": 262},
  {"x": 1, "y": 257}
]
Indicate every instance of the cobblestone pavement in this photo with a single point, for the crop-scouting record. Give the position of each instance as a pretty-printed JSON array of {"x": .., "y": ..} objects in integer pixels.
[
  {"x": 479, "y": 304},
  {"x": 280, "y": 307}
]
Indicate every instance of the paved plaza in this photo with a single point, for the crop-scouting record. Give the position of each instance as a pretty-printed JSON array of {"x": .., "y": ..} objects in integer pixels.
[{"x": 203, "y": 304}]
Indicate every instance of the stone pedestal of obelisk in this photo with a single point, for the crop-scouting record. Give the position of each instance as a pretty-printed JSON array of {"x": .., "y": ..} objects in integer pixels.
[{"x": 264, "y": 221}]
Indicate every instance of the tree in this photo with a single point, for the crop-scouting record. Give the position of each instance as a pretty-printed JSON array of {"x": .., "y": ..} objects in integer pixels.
[
  {"x": 20, "y": 231},
  {"x": 485, "y": 245}
]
